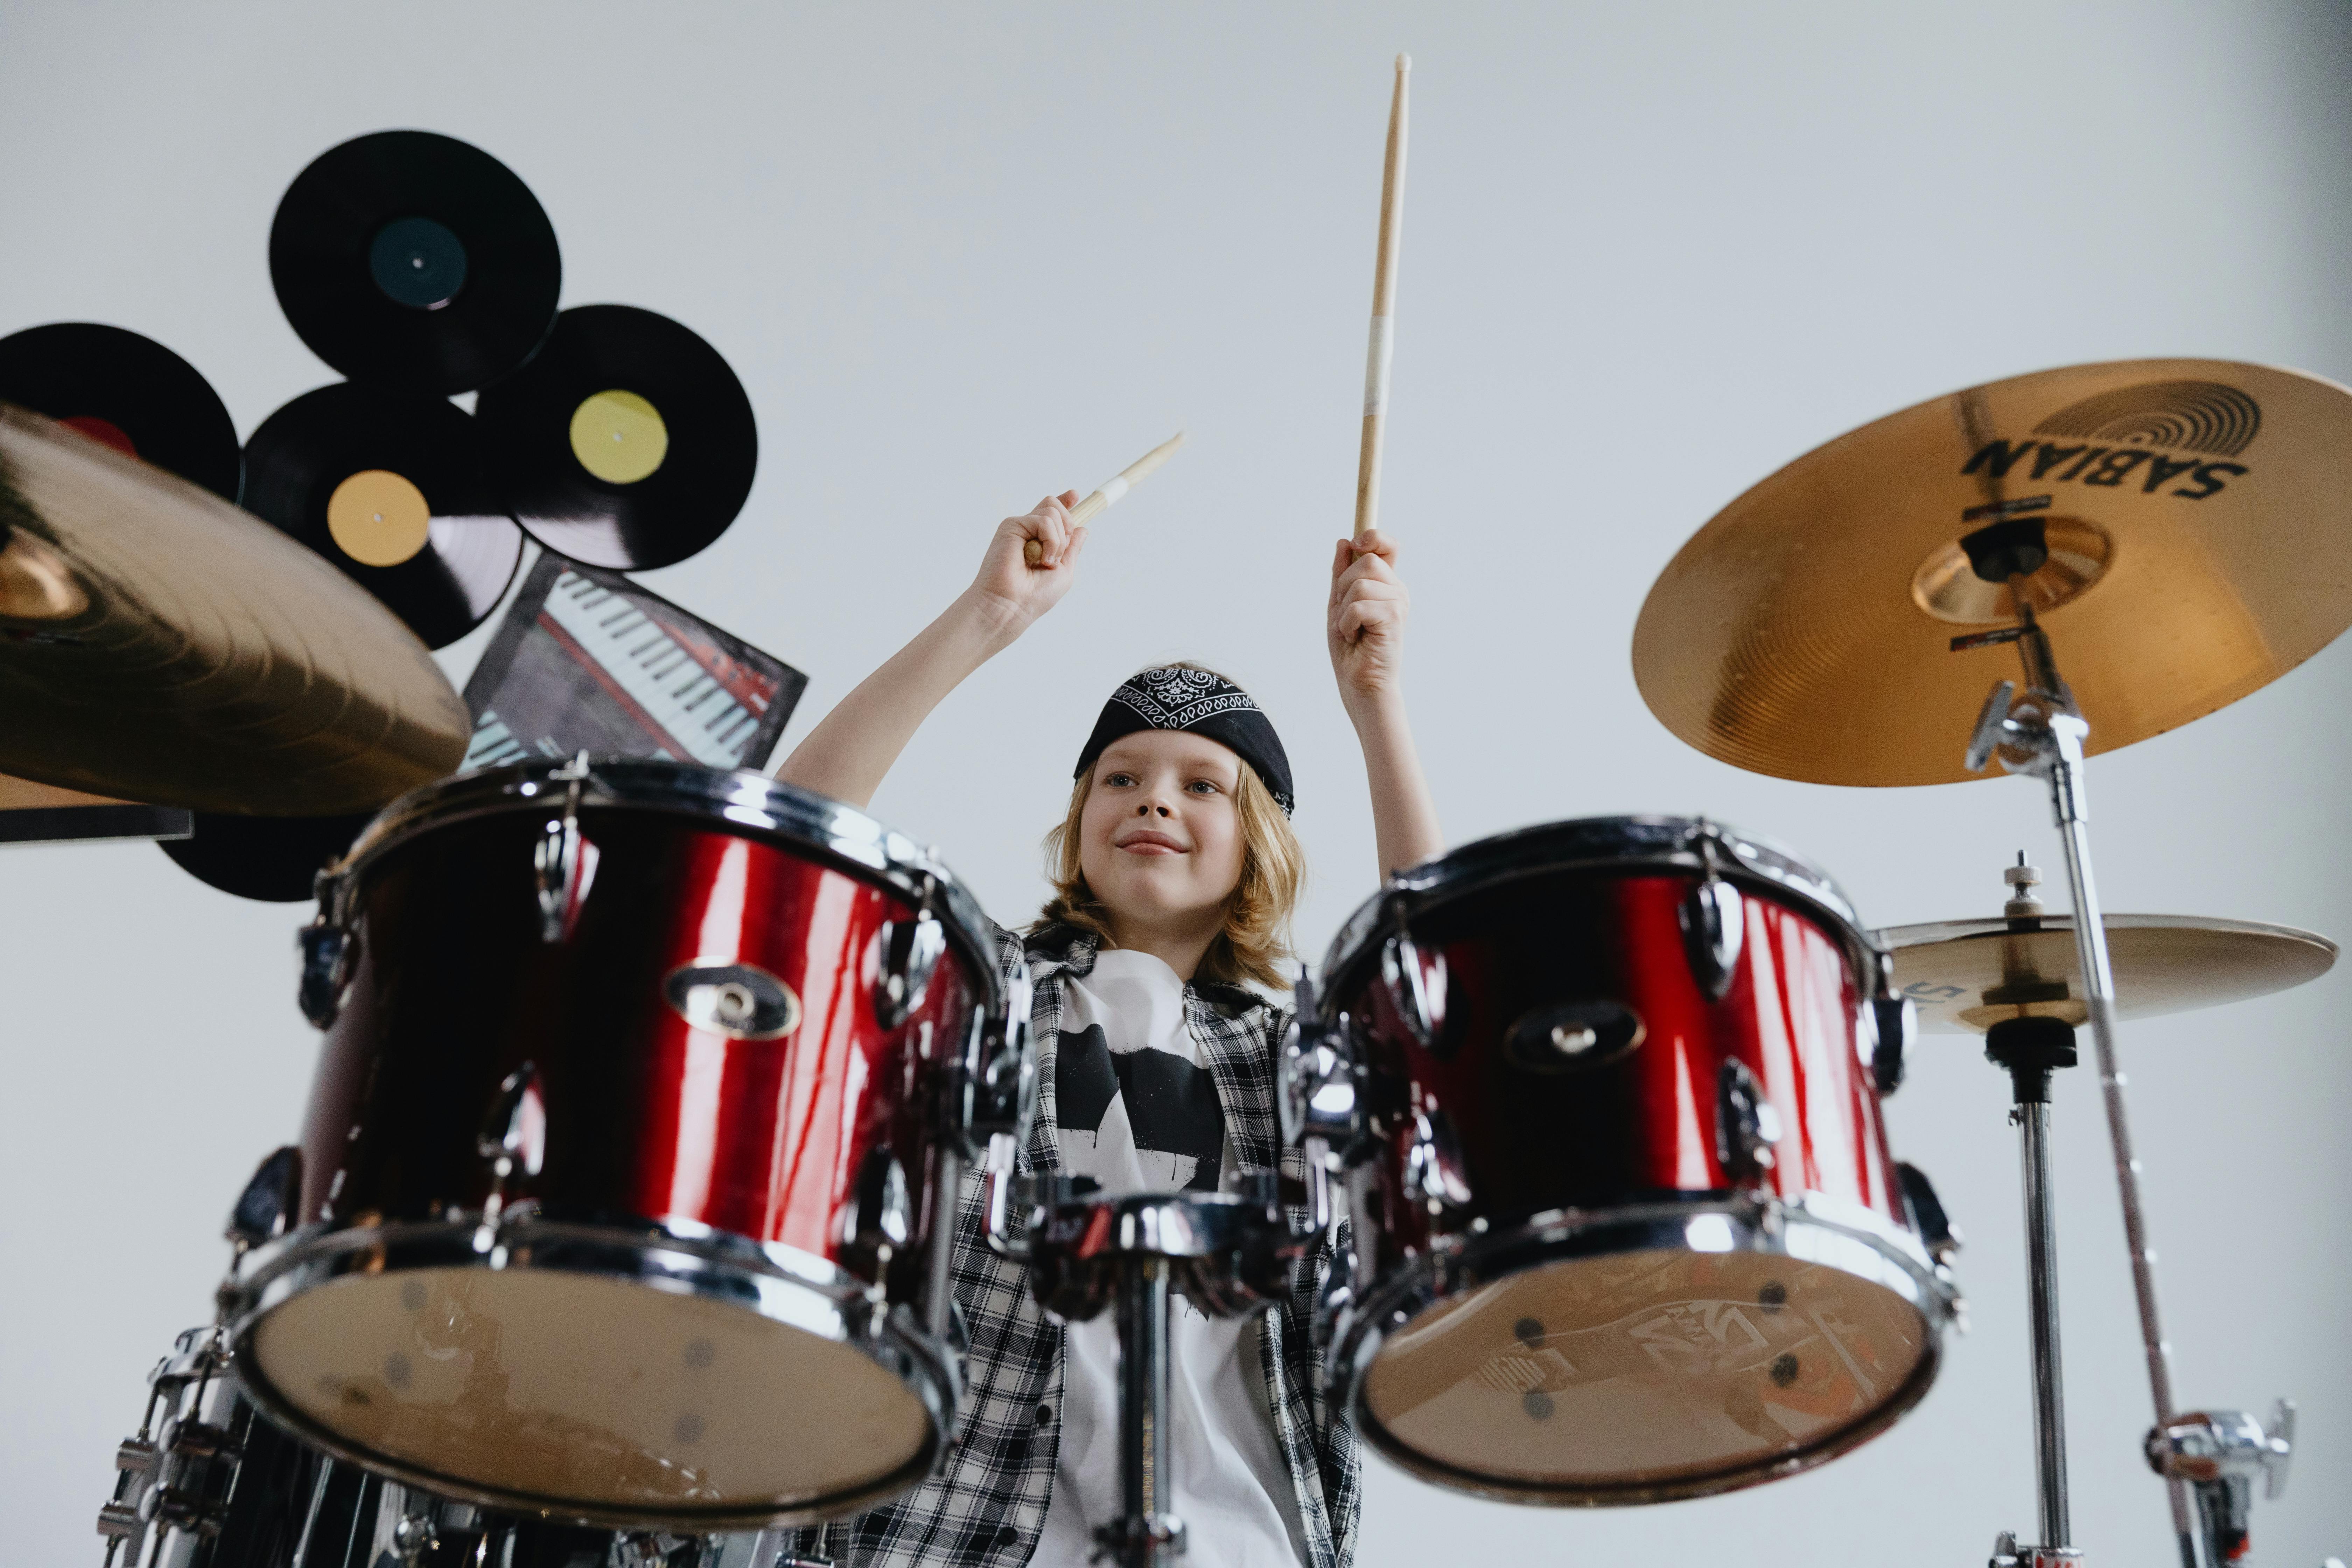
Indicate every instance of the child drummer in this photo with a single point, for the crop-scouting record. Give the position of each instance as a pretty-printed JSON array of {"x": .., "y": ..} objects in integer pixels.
[{"x": 1175, "y": 874}]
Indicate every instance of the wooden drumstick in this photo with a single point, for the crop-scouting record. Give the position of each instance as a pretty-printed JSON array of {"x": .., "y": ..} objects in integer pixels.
[
  {"x": 1130, "y": 477},
  {"x": 1376, "y": 359}
]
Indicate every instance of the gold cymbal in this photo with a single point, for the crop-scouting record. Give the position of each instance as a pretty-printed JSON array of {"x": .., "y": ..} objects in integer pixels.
[
  {"x": 1967, "y": 975},
  {"x": 2198, "y": 516},
  {"x": 157, "y": 643}
]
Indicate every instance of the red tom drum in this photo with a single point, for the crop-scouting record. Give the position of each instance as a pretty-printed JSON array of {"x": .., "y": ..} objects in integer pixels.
[
  {"x": 1625, "y": 1223},
  {"x": 628, "y": 1180}
]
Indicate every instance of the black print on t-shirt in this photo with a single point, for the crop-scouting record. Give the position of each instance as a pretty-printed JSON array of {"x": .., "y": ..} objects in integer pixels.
[{"x": 1171, "y": 1104}]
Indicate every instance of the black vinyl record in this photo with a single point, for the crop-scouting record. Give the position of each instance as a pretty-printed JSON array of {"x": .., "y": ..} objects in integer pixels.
[
  {"x": 415, "y": 260},
  {"x": 128, "y": 392},
  {"x": 272, "y": 858},
  {"x": 627, "y": 443},
  {"x": 391, "y": 487}
]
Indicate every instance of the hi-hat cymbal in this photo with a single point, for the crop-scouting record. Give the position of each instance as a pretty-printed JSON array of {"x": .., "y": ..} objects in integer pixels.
[
  {"x": 2194, "y": 516},
  {"x": 158, "y": 644},
  {"x": 1968, "y": 975}
]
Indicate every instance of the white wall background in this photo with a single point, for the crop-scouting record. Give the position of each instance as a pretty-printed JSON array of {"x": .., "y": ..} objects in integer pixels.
[{"x": 961, "y": 254}]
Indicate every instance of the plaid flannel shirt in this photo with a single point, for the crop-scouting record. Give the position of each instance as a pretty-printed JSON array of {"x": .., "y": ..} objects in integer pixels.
[{"x": 987, "y": 1504}]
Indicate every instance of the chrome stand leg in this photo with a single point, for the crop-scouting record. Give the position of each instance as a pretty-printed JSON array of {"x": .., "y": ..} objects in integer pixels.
[
  {"x": 2042, "y": 1272},
  {"x": 2031, "y": 1049},
  {"x": 1145, "y": 1536},
  {"x": 2099, "y": 987},
  {"x": 2038, "y": 732}
]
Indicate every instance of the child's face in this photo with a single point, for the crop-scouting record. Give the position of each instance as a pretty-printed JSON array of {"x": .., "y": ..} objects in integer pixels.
[{"x": 1161, "y": 837}]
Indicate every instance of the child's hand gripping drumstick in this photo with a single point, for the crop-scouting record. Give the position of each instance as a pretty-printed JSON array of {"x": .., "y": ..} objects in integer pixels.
[{"x": 1128, "y": 478}]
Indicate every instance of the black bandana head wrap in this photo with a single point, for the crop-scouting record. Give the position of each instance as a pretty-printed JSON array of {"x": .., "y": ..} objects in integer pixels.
[{"x": 1179, "y": 697}]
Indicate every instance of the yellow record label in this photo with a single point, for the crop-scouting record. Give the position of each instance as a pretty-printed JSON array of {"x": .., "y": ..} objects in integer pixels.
[
  {"x": 618, "y": 436},
  {"x": 377, "y": 518}
]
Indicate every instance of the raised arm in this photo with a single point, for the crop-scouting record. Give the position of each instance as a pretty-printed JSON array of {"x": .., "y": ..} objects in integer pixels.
[
  {"x": 1365, "y": 627},
  {"x": 848, "y": 754}
]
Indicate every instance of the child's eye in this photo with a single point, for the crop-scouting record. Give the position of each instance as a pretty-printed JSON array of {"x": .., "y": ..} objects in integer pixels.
[
  {"x": 1118, "y": 780},
  {"x": 1201, "y": 786}
]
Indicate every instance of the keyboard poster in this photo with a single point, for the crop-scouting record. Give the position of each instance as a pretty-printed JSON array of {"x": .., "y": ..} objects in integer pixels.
[{"x": 588, "y": 660}]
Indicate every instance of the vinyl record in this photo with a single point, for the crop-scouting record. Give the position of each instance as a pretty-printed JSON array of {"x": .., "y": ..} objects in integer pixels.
[
  {"x": 416, "y": 261},
  {"x": 390, "y": 487},
  {"x": 130, "y": 391},
  {"x": 272, "y": 858},
  {"x": 627, "y": 443}
]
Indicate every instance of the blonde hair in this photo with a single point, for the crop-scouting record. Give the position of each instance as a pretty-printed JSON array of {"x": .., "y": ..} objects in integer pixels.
[{"x": 1255, "y": 939}]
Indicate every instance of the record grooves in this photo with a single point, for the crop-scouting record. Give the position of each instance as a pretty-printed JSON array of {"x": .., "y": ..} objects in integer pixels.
[
  {"x": 416, "y": 261},
  {"x": 390, "y": 487},
  {"x": 626, "y": 443}
]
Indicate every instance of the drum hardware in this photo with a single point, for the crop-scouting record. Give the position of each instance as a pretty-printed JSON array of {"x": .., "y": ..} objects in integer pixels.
[
  {"x": 879, "y": 1221},
  {"x": 1433, "y": 1164},
  {"x": 2031, "y": 1050},
  {"x": 562, "y": 862},
  {"x": 266, "y": 1208},
  {"x": 2220, "y": 1453},
  {"x": 514, "y": 1138},
  {"x": 1746, "y": 1126},
  {"x": 1317, "y": 1098},
  {"x": 1943, "y": 1239},
  {"x": 1894, "y": 1022},
  {"x": 740, "y": 1001},
  {"x": 1227, "y": 1253},
  {"x": 1416, "y": 986},
  {"x": 1572, "y": 1037},
  {"x": 2017, "y": 980},
  {"x": 2039, "y": 734},
  {"x": 327, "y": 953},
  {"x": 173, "y": 1475},
  {"x": 2008, "y": 1553},
  {"x": 1714, "y": 926},
  {"x": 908, "y": 950}
]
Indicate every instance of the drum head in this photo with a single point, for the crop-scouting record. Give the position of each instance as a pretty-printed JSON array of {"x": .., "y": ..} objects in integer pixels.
[
  {"x": 538, "y": 1389},
  {"x": 1645, "y": 1375}
]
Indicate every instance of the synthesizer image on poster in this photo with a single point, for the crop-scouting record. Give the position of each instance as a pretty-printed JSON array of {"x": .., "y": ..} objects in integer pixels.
[{"x": 587, "y": 661}]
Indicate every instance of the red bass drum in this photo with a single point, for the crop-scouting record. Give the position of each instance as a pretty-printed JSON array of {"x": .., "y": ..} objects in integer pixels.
[
  {"x": 1625, "y": 1223},
  {"x": 628, "y": 1186}
]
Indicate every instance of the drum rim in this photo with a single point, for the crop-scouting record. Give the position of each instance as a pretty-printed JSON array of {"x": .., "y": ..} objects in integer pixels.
[
  {"x": 1665, "y": 842},
  {"x": 1759, "y": 1223},
  {"x": 679, "y": 1258},
  {"x": 733, "y": 800}
]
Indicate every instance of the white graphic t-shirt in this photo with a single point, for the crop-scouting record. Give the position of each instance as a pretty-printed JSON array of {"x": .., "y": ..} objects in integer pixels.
[{"x": 1138, "y": 1111}]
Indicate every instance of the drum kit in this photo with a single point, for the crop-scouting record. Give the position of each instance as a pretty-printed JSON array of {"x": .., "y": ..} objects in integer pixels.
[{"x": 653, "y": 1098}]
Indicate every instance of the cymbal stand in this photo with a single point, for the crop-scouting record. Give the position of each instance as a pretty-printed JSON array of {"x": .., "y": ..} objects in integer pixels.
[
  {"x": 2039, "y": 731},
  {"x": 2031, "y": 1049}
]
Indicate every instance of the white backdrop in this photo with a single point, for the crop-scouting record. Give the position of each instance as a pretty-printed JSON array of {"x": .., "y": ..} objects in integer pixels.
[{"x": 961, "y": 256}]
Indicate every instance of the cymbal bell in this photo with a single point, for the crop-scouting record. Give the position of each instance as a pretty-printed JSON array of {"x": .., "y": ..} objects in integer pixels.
[
  {"x": 2190, "y": 526},
  {"x": 158, "y": 644},
  {"x": 1967, "y": 975}
]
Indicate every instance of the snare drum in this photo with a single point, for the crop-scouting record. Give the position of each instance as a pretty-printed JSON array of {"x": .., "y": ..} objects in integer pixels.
[
  {"x": 628, "y": 1181},
  {"x": 1625, "y": 1223}
]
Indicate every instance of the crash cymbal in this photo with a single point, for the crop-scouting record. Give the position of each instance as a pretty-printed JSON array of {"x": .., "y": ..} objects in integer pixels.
[
  {"x": 158, "y": 644},
  {"x": 2191, "y": 521},
  {"x": 1967, "y": 975}
]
